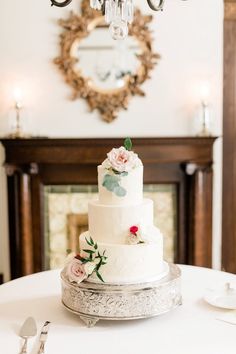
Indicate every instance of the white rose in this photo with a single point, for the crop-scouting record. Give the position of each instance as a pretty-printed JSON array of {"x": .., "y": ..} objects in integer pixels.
[
  {"x": 133, "y": 239},
  {"x": 76, "y": 271},
  {"x": 106, "y": 164},
  {"x": 122, "y": 160},
  {"x": 89, "y": 267}
]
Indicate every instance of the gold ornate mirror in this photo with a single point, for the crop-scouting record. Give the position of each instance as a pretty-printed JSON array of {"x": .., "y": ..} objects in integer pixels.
[{"x": 105, "y": 72}]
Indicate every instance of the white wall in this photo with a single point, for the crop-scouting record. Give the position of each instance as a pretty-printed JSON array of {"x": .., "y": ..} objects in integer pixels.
[{"x": 188, "y": 35}]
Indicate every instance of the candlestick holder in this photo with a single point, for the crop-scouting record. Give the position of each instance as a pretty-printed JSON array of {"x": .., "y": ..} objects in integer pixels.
[
  {"x": 205, "y": 123},
  {"x": 18, "y": 132}
]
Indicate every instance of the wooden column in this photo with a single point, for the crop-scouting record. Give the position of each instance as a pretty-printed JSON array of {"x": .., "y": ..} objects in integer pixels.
[
  {"x": 229, "y": 142},
  {"x": 20, "y": 221},
  {"x": 26, "y": 225},
  {"x": 200, "y": 226}
]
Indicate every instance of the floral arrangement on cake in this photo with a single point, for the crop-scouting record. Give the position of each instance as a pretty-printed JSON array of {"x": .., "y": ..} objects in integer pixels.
[
  {"x": 79, "y": 268},
  {"x": 135, "y": 237},
  {"x": 120, "y": 161}
]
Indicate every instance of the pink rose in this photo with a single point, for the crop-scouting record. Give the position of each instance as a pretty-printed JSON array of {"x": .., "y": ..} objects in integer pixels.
[
  {"x": 122, "y": 160},
  {"x": 76, "y": 271}
]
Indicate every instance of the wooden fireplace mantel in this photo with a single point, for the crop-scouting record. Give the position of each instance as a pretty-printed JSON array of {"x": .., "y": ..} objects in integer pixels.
[{"x": 32, "y": 164}]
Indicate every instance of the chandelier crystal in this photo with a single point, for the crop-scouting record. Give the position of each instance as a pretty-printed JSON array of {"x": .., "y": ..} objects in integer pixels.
[{"x": 118, "y": 13}]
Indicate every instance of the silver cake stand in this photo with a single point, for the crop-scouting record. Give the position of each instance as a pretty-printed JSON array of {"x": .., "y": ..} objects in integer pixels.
[{"x": 94, "y": 302}]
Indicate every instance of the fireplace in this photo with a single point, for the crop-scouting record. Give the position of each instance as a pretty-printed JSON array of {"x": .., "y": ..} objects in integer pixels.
[{"x": 178, "y": 176}]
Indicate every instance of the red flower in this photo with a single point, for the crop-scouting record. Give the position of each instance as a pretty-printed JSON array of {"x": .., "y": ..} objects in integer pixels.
[{"x": 133, "y": 229}]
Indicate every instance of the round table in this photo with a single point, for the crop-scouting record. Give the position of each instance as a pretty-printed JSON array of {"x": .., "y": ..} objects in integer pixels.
[{"x": 192, "y": 328}]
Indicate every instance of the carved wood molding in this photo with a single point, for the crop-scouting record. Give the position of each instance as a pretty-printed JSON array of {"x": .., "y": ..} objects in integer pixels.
[
  {"x": 29, "y": 169},
  {"x": 107, "y": 103},
  {"x": 230, "y": 10}
]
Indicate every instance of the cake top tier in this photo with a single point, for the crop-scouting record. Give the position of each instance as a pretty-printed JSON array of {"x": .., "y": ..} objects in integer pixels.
[{"x": 120, "y": 177}]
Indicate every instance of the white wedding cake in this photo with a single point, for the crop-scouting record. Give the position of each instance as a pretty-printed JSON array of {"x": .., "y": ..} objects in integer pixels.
[{"x": 122, "y": 245}]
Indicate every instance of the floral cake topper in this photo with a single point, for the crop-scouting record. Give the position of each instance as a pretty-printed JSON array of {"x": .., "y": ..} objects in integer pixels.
[
  {"x": 120, "y": 161},
  {"x": 79, "y": 268}
]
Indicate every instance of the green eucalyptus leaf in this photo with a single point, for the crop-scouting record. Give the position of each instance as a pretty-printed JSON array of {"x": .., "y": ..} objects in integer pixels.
[
  {"x": 89, "y": 251},
  {"x": 120, "y": 191},
  {"x": 124, "y": 174},
  {"x": 128, "y": 144},
  {"x": 110, "y": 182}
]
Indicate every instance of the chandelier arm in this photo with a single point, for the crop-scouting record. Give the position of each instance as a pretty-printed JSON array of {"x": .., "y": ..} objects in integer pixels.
[
  {"x": 158, "y": 7},
  {"x": 60, "y": 4}
]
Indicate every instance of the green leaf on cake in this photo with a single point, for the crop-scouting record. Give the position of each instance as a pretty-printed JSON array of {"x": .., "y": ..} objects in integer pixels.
[
  {"x": 112, "y": 184},
  {"x": 92, "y": 255},
  {"x": 128, "y": 144},
  {"x": 120, "y": 191},
  {"x": 89, "y": 251},
  {"x": 99, "y": 276},
  {"x": 124, "y": 174},
  {"x": 85, "y": 260},
  {"x": 88, "y": 242}
]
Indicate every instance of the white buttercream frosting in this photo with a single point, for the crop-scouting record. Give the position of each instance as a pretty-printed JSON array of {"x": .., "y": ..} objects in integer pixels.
[{"x": 129, "y": 263}]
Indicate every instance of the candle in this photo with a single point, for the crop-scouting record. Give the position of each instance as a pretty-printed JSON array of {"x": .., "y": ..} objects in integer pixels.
[
  {"x": 17, "y": 95},
  {"x": 205, "y": 92},
  {"x": 204, "y": 96}
]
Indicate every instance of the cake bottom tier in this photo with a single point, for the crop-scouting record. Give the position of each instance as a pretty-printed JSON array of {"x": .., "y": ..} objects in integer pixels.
[{"x": 127, "y": 264}]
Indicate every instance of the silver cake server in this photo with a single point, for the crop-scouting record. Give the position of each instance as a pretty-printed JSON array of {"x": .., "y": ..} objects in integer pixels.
[
  {"x": 43, "y": 336},
  {"x": 28, "y": 330}
]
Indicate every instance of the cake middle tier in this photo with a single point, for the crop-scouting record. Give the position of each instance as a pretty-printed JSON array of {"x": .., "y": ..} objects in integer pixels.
[{"x": 110, "y": 223}]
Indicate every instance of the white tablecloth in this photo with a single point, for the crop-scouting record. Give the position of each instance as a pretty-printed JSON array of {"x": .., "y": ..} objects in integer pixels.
[{"x": 190, "y": 329}]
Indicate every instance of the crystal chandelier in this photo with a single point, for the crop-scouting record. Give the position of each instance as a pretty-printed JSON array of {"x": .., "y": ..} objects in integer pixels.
[{"x": 118, "y": 13}]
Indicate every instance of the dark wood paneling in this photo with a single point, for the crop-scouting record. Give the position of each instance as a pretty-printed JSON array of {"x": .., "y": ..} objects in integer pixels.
[
  {"x": 33, "y": 163},
  {"x": 229, "y": 143}
]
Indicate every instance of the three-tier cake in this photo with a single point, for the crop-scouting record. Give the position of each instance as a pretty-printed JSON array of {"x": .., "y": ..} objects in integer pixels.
[
  {"x": 122, "y": 245},
  {"x": 119, "y": 272}
]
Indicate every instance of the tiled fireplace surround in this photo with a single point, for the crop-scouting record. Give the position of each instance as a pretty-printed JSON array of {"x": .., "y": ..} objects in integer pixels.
[{"x": 33, "y": 166}]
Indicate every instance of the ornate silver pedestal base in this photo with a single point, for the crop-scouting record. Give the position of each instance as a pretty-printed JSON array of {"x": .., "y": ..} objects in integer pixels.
[{"x": 93, "y": 302}]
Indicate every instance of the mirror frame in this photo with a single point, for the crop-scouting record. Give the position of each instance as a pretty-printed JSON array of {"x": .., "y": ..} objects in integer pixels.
[{"x": 108, "y": 103}]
